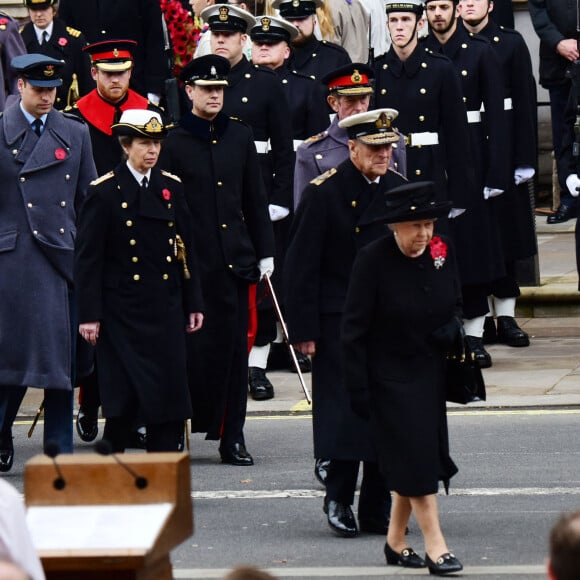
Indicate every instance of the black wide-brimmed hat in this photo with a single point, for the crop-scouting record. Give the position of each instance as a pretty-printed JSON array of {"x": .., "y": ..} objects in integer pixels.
[
  {"x": 413, "y": 201},
  {"x": 140, "y": 123}
]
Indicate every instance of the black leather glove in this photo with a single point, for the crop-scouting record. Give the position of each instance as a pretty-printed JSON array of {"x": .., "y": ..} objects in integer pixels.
[
  {"x": 359, "y": 403},
  {"x": 449, "y": 337}
]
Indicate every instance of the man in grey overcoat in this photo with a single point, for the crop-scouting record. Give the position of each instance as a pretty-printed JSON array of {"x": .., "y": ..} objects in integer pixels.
[{"x": 46, "y": 164}]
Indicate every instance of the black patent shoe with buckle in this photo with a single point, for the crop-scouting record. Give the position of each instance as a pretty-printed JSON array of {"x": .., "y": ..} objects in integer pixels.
[
  {"x": 407, "y": 558},
  {"x": 508, "y": 332},
  {"x": 6, "y": 451},
  {"x": 475, "y": 347},
  {"x": 446, "y": 564}
]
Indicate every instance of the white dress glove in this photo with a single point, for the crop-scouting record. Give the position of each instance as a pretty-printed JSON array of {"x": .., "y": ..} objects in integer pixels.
[
  {"x": 573, "y": 184},
  {"x": 491, "y": 192},
  {"x": 154, "y": 98},
  {"x": 523, "y": 174},
  {"x": 266, "y": 266},
  {"x": 277, "y": 212}
]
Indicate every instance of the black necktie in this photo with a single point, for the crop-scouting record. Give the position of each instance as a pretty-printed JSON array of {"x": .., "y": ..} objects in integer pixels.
[
  {"x": 144, "y": 183},
  {"x": 37, "y": 126},
  {"x": 373, "y": 188},
  {"x": 44, "y": 37}
]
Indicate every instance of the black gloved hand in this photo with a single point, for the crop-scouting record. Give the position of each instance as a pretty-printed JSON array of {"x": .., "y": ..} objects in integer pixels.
[{"x": 449, "y": 337}]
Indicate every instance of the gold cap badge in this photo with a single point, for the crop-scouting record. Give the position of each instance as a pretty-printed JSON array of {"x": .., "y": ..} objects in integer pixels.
[{"x": 224, "y": 11}]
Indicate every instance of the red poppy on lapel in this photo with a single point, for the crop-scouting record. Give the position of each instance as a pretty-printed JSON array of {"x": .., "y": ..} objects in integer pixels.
[
  {"x": 62, "y": 41},
  {"x": 166, "y": 194},
  {"x": 438, "y": 251},
  {"x": 60, "y": 153}
]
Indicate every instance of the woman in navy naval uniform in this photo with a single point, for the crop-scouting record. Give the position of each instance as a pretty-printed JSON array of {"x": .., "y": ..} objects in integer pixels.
[{"x": 138, "y": 288}]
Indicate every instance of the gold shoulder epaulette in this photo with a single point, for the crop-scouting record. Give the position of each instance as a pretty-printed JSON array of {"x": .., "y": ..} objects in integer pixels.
[
  {"x": 103, "y": 178},
  {"x": 170, "y": 175},
  {"x": 73, "y": 31},
  {"x": 315, "y": 138},
  {"x": 322, "y": 178}
]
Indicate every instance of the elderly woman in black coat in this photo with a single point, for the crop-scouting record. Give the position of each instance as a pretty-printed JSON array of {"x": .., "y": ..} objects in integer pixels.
[
  {"x": 138, "y": 288},
  {"x": 401, "y": 316}
]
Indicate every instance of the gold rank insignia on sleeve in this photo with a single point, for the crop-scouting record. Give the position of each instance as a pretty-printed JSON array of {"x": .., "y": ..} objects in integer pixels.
[
  {"x": 322, "y": 178},
  {"x": 73, "y": 31},
  {"x": 103, "y": 178},
  {"x": 170, "y": 175}
]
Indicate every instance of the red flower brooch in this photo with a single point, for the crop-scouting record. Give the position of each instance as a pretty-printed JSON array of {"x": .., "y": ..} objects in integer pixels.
[
  {"x": 60, "y": 154},
  {"x": 62, "y": 41},
  {"x": 166, "y": 194},
  {"x": 438, "y": 251}
]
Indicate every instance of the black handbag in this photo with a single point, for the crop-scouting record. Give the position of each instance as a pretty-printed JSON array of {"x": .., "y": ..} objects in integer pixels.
[{"x": 464, "y": 380}]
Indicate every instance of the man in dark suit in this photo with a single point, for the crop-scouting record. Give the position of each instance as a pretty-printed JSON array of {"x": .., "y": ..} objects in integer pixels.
[
  {"x": 46, "y": 34},
  {"x": 46, "y": 164},
  {"x": 138, "y": 20},
  {"x": 215, "y": 157},
  {"x": 11, "y": 45},
  {"x": 335, "y": 218}
]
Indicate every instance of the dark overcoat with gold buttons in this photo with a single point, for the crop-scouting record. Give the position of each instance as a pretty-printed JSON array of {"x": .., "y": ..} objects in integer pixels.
[
  {"x": 317, "y": 57},
  {"x": 514, "y": 209},
  {"x": 44, "y": 180},
  {"x": 129, "y": 278},
  {"x": 65, "y": 44},
  {"x": 218, "y": 164},
  {"x": 477, "y": 234},
  {"x": 333, "y": 221},
  {"x": 426, "y": 91}
]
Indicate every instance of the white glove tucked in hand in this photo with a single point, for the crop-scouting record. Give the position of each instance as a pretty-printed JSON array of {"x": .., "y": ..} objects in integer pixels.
[
  {"x": 154, "y": 98},
  {"x": 277, "y": 212},
  {"x": 491, "y": 192},
  {"x": 266, "y": 266},
  {"x": 523, "y": 174},
  {"x": 573, "y": 184}
]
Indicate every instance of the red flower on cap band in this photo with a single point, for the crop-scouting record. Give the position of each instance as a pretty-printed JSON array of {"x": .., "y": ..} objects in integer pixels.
[{"x": 166, "y": 194}]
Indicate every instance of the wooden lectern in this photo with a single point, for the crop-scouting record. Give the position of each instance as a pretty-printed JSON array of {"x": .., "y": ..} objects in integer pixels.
[{"x": 103, "y": 523}]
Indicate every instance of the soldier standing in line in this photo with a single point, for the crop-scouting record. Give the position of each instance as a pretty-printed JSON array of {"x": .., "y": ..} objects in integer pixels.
[
  {"x": 256, "y": 96},
  {"x": 349, "y": 92},
  {"x": 46, "y": 34},
  {"x": 513, "y": 209},
  {"x": 477, "y": 235},
  {"x": 46, "y": 165},
  {"x": 310, "y": 56},
  {"x": 215, "y": 157},
  {"x": 11, "y": 45},
  {"x": 111, "y": 69},
  {"x": 337, "y": 217}
]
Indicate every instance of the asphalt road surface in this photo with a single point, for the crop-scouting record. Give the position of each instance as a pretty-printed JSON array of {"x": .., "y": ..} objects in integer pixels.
[{"x": 518, "y": 470}]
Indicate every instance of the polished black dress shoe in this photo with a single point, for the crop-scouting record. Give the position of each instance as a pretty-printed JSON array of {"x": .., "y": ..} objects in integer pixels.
[
  {"x": 6, "y": 451},
  {"x": 86, "y": 424},
  {"x": 508, "y": 332},
  {"x": 489, "y": 331},
  {"x": 564, "y": 213},
  {"x": 237, "y": 454},
  {"x": 373, "y": 525},
  {"x": 261, "y": 388},
  {"x": 408, "y": 558},
  {"x": 340, "y": 518},
  {"x": 446, "y": 564},
  {"x": 321, "y": 470},
  {"x": 475, "y": 347}
]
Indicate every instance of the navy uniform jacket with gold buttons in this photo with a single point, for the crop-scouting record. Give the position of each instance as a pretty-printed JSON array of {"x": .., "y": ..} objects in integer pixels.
[
  {"x": 255, "y": 96},
  {"x": 426, "y": 91},
  {"x": 515, "y": 212},
  {"x": 129, "y": 277},
  {"x": 44, "y": 180},
  {"x": 316, "y": 57},
  {"x": 481, "y": 78},
  {"x": 65, "y": 44}
]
